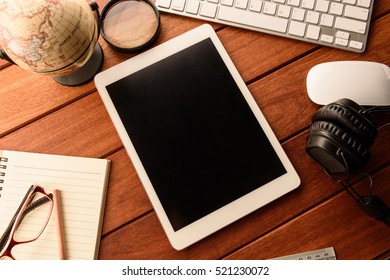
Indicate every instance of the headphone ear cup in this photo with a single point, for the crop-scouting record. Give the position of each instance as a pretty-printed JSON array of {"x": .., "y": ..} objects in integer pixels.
[
  {"x": 335, "y": 148},
  {"x": 348, "y": 114}
]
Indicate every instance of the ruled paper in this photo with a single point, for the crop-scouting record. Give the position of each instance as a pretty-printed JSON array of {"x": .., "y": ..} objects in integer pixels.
[{"x": 82, "y": 183}]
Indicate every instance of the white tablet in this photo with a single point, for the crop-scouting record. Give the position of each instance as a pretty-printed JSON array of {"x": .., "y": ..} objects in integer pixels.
[{"x": 200, "y": 144}]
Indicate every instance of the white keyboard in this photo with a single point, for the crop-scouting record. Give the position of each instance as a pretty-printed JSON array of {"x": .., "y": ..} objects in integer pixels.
[{"x": 341, "y": 24}]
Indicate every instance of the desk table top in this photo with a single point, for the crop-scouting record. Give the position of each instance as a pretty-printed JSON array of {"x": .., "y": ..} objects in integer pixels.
[{"x": 40, "y": 115}]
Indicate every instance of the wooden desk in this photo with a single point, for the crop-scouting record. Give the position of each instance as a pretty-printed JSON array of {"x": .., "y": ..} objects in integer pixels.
[{"x": 39, "y": 115}]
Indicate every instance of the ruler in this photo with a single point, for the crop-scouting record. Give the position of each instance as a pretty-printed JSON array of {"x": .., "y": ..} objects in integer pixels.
[{"x": 322, "y": 254}]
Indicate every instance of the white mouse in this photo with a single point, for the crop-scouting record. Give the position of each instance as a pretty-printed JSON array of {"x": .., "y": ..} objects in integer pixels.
[{"x": 366, "y": 83}]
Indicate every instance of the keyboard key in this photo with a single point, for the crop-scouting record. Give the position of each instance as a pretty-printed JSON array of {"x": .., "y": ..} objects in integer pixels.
[
  {"x": 350, "y": 25},
  {"x": 356, "y": 45},
  {"x": 336, "y": 9},
  {"x": 297, "y": 28},
  {"x": 208, "y": 10},
  {"x": 342, "y": 35},
  {"x": 313, "y": 32},
  {"x": 241, "y": 4},
  {"x": 327, "y": 38},
  {"x": 255, "y": 5},
  {"x": 193, "y": 7},
  {"x": 293, "y": 2},
  {"x": 227, "y": 2},
  {"x": 164, "y": 3},
  {"x": 356, "y": 12},
  {"x": 298, "y": 14},
  {"x": 284, "y": 11},
  {"x": 364, "y": 3},
  {"x": 178, "y": 5},
  {"x": 312, "y": 17},
  {"x": 322, "y": 6},
  {"x": 341, "y": 42},
  {"x": 308, "y": 4},
  {"x": 253, "y": 19},
  {"x": 327, "y": 20},
  {"x": 269, "y": 8}
]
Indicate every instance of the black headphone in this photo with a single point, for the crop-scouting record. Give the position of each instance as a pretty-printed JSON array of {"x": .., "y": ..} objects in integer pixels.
[{"x": 340, "y": 138}]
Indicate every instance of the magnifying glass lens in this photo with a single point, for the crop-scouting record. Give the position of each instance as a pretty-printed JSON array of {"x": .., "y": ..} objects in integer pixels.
[{"x": 131, "y": 24}]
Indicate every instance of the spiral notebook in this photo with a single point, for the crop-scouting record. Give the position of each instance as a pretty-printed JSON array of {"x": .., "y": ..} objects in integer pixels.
[{"x": 83, "y": 185}]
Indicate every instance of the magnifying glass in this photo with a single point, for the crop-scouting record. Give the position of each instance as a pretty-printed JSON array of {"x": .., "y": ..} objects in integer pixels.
[{"x": 130, "y": 25}]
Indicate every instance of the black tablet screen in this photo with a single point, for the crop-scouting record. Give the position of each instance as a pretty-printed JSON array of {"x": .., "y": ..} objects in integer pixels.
[{"x": 197, "y": 138}]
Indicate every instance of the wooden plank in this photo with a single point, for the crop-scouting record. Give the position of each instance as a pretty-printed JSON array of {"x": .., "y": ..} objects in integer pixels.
[
  {"x": 4, "y": 63},
  {"x": 255, "y": 54},
  {"x": 380, "y": 7},
  {"x": 336, "y": 223},
  {"x": 126, "y": 198},
  {"x": 80, "y": 129},
  {"x": 25, "y": 97}
]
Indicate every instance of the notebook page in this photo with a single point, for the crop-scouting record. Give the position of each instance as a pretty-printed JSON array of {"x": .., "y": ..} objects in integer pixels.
[{"x": 82, "y": 183}]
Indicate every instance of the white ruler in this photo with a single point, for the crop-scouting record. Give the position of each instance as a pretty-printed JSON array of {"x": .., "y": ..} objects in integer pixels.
[{"x": 322, "y": 254}]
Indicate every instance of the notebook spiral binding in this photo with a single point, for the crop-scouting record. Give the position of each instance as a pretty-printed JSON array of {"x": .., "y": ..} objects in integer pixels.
[{"x": 3, "y": 160}]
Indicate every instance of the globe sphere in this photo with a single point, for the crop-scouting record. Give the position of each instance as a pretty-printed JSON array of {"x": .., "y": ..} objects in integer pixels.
[{"x": 51, "y": 37}]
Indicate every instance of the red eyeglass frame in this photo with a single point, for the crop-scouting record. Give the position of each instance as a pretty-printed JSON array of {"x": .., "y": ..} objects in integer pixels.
[{"x": 11, "y": 242}]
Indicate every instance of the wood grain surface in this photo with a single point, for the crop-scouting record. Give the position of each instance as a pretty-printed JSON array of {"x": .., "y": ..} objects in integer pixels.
[{"x": 39, "y": 115}]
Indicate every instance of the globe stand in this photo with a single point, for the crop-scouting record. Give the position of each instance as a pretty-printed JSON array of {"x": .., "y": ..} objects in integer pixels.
[{"x": 86, "y": 73}]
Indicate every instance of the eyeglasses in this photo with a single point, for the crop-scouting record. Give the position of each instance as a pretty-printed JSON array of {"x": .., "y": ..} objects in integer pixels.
[{"x": 29, "y": 221}]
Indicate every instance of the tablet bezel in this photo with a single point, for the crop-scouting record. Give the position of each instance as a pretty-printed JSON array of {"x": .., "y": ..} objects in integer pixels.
[{"x": 231, "y": 212}]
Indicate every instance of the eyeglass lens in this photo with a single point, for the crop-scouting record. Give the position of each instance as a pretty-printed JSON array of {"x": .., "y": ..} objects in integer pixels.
[{"x": 33, "y": 223}]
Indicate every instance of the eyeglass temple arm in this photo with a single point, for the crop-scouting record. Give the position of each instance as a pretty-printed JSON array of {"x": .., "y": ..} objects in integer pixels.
[{"x": 32, "y": 206}]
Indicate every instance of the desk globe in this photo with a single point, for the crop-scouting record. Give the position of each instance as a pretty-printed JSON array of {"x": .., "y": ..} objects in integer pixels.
[{"x": 52, "y": 37}]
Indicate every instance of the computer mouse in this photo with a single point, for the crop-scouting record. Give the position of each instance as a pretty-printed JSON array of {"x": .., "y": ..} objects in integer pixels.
[{"x": 366, "y": 83}]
